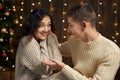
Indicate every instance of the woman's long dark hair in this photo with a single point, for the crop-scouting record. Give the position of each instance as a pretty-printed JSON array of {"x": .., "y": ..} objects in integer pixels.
[{"x": 30, "y": 25}]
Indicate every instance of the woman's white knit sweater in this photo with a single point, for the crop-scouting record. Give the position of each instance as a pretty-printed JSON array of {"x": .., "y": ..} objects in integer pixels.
[
  {"x": 29, "y": 57},
  {"x": 95, "y": 60}
]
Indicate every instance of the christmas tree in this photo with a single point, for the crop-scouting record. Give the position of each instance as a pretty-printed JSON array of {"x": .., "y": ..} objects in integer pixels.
[{"x": 7, "y": 29}]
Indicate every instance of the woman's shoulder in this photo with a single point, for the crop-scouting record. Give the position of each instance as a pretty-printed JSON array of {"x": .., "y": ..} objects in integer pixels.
[
  {"x": 52, "y": 38},
  {"x": 27, "y": 40},
  {"x": 52, "y": 35}
]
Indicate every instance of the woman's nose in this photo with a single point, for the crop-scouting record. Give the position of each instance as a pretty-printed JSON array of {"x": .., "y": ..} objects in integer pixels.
[{"x": 46, "y": 28}]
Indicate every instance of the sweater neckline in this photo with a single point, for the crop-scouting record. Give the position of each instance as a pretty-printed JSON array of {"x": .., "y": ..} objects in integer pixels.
[{"x": 93, "y": 44}]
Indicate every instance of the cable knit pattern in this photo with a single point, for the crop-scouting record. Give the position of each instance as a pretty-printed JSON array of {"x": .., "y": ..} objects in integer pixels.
[
  {"x": 95, "y": 60},
  {"x": 29, "y": 57}
]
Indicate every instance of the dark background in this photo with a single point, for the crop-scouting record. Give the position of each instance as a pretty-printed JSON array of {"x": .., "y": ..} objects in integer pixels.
[{"x": 108, "y": 17}]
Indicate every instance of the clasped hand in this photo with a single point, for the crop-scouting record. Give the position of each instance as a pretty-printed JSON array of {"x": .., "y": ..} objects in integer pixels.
[{"x": 55, "y": 64}]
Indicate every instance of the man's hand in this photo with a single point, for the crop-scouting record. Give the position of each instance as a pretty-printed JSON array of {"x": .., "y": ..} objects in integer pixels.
[{"x": 55, "y": 64}]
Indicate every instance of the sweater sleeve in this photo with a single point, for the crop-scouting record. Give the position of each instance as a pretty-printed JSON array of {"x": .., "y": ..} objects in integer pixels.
[
  {"x": 31, "y": 58},
  {"x": 53, "y": 42},
  {"x": 105, "y": 71},
  {"x": 64, "y": 47}
]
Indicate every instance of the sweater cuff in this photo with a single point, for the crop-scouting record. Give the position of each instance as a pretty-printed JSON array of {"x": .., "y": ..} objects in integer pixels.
[
  {"x": 65, "y": 69},
  {"x": 70, "y": 73}
]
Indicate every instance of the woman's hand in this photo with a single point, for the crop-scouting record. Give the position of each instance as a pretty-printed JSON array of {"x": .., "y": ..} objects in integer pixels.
[{"x": 55, "y": 64}]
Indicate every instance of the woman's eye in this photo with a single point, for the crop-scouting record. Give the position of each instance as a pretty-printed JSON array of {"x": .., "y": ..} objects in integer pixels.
[
  {"x": 41, "y": 25},
  {"x": 49, "y": 25}
]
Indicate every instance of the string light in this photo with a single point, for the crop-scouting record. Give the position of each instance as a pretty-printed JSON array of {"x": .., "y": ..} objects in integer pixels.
[
  {"x": 100, "y": 20},
  {"x": 52, "y": 8},
  {"x": 115, "y": 24},
  {"x": 49, "y": 0},
  {"x": 64, "y": 36},
  {"x": 39, "y": 3},
  {"x": 20, "y": 25},
  {"x": 21, "y": 13}
]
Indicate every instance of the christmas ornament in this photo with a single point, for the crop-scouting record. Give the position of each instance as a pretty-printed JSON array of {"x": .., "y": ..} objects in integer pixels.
[
  {"x": 10, "y": 40},
  {"x": 1, "y": 39},
  {"x": 7, "y": 13},
  {"x": 4, "y": 30},
  {"x": 1, "y": 6},
  {"x": 11, "y": 50},
  {"x": 16, "y": 21},
  {"x": 11, "y": 31},
  {"x": 52, "y": 8},
  {"x": 4, "y": 55},
  {"x": 14, "y": 9}
]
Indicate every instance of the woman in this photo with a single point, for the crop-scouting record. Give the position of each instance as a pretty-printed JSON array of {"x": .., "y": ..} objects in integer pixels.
[{"x": 33, "y": 43}]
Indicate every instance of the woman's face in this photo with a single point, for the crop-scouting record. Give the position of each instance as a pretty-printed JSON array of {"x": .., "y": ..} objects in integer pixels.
[{"x": 44, "y": 28}]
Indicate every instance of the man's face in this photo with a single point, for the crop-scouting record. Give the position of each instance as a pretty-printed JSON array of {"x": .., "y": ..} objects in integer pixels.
[{"x": 74, "y": 28}]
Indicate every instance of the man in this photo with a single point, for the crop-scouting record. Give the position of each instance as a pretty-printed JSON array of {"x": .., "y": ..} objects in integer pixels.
[{"x": 94, "y": 57}]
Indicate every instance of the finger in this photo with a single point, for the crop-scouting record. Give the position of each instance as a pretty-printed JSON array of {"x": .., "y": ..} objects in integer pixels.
[
  {"x": 56, "y": 61},
  {"x": 50, "y": 63}
]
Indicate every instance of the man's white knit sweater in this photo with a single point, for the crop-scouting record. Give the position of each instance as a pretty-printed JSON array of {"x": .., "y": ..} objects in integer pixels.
[{"x": 95, "y": 60}]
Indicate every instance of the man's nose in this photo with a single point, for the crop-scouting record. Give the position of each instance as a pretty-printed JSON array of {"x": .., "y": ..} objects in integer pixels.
[{"x": 68, "y": 30}]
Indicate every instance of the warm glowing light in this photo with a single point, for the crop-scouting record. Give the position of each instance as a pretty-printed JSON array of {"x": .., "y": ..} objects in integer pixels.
[
  {"x": 39, "y": 3},
  {"x": 33, "y": 4},
  {"x": 100, "y": 22},
  {"x": 114, "y": 4},
  {"x": 16, "y": 21},
  {"x": 11, "y": 50},
  {"x": 31, "y": 10},
  {"x": 63, "y": 21},
  {"x": 20, "y": 25},
  {"x": 113, "y": 37},
  {"x": 64, "y": 12},
  {"x": 115, "y": 12},
  {"x": 14, "y": 9},
  {"x": 6, "y": 58},
  {"x": 99, "y": 15},
  {"x": 65, "y": 4},
  {"x": 4, "y": 69},
  {"x": 115, "y": 40},
  {"x": 50, "y": 0},
  {"x": 100, "y": 3},
  {"x": 13, "y": 6},
  {"x": 65, "y": 29},
  {"x": 1, "y": 39},
  {"x": 4, "y": 18},
  {"x": 21, "y": 9},
  {"x": 52, "y": 8},
  {"x": 22, "y": 3},
  {"x": 4, "y": 30},
  {"x": 115, "y": 24},
  {"x": 21, "y": 17},
  {"x": 13, "y": 66},
  {"x": 64, "y": 36},
  {"x": 116, "y": 33}
]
